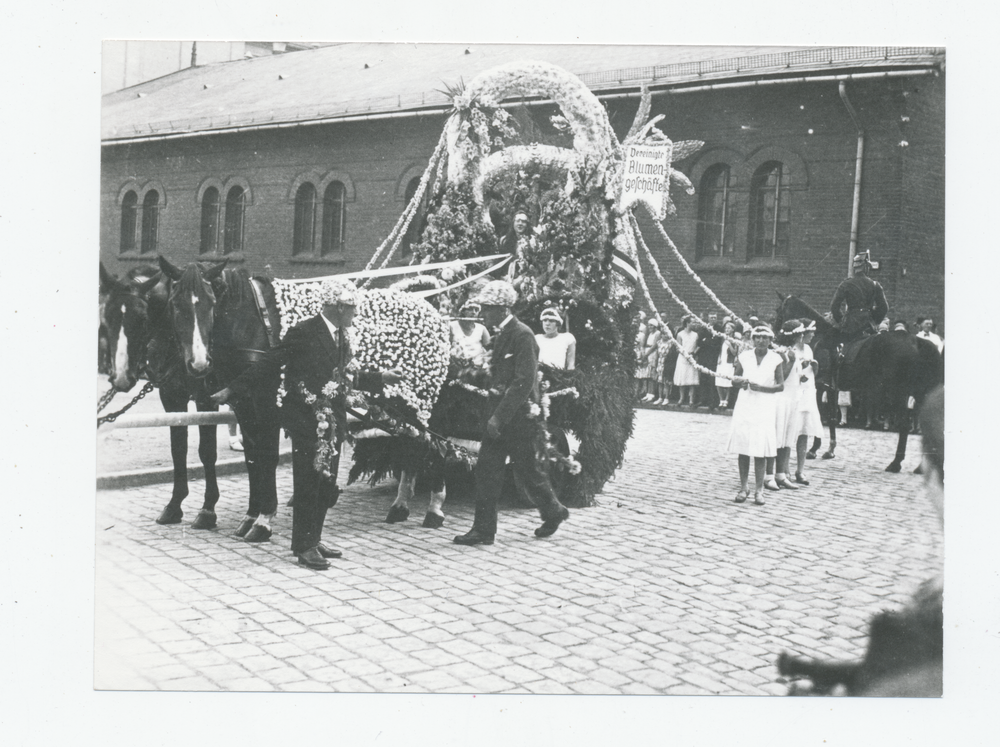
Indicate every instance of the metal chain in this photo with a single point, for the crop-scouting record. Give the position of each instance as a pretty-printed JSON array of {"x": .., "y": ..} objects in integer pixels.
[
  {"x": 106, "y": 398},
  {"x": 114, "y": 416}
]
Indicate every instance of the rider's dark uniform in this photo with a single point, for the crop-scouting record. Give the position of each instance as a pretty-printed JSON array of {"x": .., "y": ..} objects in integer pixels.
[{"x": 866, "y": 306}]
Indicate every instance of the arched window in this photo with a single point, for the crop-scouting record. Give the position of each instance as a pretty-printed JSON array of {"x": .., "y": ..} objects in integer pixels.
[
  {"x": 235, "y": 209},
  {"x": 419, "y": 221},
  {"x": 770, "y": 211},
  {"x": 715, "y": 229},
  {"x": 130, "y": 210},
  {"x": 209, "y": 222},
  {"x": 150, "y": 221},
  {"x": 303, "y": 240},
  {"x": 334, "y": 213}
]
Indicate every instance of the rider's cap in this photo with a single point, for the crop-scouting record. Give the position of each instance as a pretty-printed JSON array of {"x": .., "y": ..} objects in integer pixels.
[{"x": 861, "y": 259}]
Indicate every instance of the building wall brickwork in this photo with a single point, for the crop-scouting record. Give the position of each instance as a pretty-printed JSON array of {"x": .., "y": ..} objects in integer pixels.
[{"x": 902, "y": 198}]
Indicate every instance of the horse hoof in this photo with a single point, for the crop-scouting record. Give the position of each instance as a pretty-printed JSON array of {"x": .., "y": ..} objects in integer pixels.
[
  {"x": 204, "y": 520},
  {"x": 433, "y": 521},
  {"x": 893, "y": 467},
  {"x": 258, "y": 533},
  {"x": 828, "y": 455},
  {"x": 810, "y": 455},
  {"x": 396, "y": 514},
  {"x": 244, "y": 527},
  {"x": 170, "y": 515}
]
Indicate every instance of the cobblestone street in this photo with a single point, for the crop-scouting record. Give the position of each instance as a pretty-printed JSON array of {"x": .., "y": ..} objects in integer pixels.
[{"x": 665, "y": 587}]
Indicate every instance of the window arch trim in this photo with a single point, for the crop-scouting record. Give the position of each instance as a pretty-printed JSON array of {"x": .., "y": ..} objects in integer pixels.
[
  {"x": 795, "y": 166},
  {"x": 321, "y": 180},
  {"x": 161, "y": 193},
  {"x": 415, "y": 169}
]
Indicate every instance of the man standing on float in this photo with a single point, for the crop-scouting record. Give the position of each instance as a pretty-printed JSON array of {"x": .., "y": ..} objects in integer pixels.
[{"x": 511, "y": 430}]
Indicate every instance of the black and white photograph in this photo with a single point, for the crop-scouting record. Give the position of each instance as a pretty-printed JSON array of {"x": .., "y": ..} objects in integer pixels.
[{"x": 582, "y": 373}]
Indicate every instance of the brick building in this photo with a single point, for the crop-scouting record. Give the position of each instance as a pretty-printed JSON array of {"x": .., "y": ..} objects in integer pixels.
[{"x": 304, "y": 161}]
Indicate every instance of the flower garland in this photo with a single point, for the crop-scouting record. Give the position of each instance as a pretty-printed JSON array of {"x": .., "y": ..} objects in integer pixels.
[
  {"x": 666, "y": 286},
  {"x": 509, "y": 161},
  {"x": 394, "y": 330},
  {"x": 323, "y": 407},
  {"x": 690, "y": 270},
  {"x": 398, "y": 231}
]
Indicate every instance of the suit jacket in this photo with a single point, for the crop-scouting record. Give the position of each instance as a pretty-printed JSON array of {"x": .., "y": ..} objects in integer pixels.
[
  {"x": 312, "y": 358},
  {"x": 514, "y": 369}
]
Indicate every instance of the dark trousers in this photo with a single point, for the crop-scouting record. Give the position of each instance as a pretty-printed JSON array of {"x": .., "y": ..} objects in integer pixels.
[
  {"x": 312, "y": 495},
  {"x": 529, "y": 475}
]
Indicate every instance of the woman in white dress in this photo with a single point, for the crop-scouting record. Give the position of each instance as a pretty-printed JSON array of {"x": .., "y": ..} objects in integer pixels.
[
  {"x": 724, "y": 366},
  {"x": 809, "y": 423},
  {"x": 686, "y": 375},
  {"x": 759, "y": 371},
  {"x": 555, "y": 348},
  {"x": 788, "y": 408},
  {"x": 469, "y": 338},
  {"x": 651, "y": 355}
]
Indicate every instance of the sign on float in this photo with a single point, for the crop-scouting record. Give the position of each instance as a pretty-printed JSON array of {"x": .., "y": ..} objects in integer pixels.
[{"x": 646, "y": 177}]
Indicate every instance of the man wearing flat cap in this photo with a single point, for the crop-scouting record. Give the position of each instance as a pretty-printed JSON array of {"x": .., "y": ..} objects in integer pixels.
[
  {"x": 511, "y": 431},
  {"x": 315, "y": 355}
]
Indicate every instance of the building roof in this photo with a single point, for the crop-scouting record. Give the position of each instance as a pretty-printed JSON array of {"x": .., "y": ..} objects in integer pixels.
[{"x": 393, "y": 79}]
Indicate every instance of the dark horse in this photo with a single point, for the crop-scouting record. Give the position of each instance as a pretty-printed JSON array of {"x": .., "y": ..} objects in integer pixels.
[
  {"x": 885, "y": 369},
  {"x": 123, "y": 331},
  {"x": 207, "y": 329}
]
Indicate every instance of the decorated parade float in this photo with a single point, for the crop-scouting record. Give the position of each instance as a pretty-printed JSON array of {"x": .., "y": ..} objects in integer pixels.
[{"x": 564, "y": 168}]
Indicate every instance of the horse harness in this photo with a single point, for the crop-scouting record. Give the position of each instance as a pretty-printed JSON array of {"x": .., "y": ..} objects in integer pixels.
[{"x": 253, "y": 355}]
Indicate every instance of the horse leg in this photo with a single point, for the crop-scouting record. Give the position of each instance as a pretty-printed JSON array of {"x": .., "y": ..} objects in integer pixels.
[
  {"x": 400, "y": 509},
  {"x": 434, "y": 517},
  {"x": 207, "y": 452},
  {"x": 903, "y": 429},
  {"x": 176, "y": 402},
  {"x": 260, "y": 439}
]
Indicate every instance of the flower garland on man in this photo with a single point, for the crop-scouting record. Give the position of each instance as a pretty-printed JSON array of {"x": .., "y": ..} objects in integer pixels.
[{"x": 316, "y": 356}]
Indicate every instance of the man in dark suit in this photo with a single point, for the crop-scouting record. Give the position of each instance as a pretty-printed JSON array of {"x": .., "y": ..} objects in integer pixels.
[
  {"x": 315, "y": 354},
  {"x": 511, "y": 431}
]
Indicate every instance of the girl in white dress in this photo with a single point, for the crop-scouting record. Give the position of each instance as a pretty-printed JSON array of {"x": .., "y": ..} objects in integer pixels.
[
  {"x": 809, "y": 423},
  {"x": 555, "y": 348},
  {"x": 686, "y": 375},
  {"x": 788, "y": 408},
  {"x": 759, "y": 371},
  {"x": 469, "y": 338},
  {"x": 724, "y": 366},
  {"x": 651, "y": 354}
]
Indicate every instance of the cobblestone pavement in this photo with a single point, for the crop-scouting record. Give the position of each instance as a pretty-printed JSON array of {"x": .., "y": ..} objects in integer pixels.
[{"x": 666, "y": 586}]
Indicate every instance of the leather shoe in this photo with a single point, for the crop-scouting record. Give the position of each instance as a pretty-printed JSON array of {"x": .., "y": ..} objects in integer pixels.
[
  {"x": 771, "y": 485},
  {"x": 312, "y": 559},
  {"x": 784, "y": 483},
  {"x": 801, "y": 480},
  {"x": 473, "y": 537},
  {"x": 549, "y": 526},
  {"x": 329, "y": 552}
]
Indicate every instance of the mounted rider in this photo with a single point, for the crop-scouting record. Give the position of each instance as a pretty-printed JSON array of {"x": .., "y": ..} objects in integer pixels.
[{"x": 859, "y": 303}]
